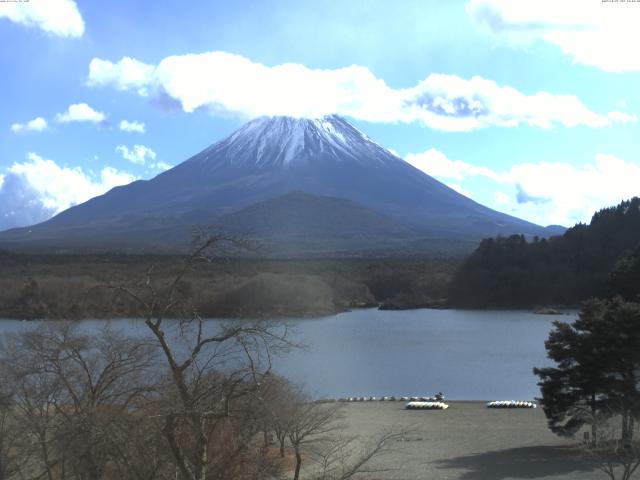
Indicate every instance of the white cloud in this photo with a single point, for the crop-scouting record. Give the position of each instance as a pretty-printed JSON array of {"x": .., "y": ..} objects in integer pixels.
[
  {"x": 565, "y": 193},
  {"x": 36, "y": 125},
  {"x": 138, "y": 154},
  {"x": 127, "y": 126},
  {"x": 161, "y": 166},
  {"x": 502, "y": 198},
  {"x": 596, "y": 33},
  {"x": 35, "y": 190},
  {"x": 621, "y": 117},
  {"x": 127, "y": 74},
  {"x": 544, "y": 192},
  {"x": 460, "y": 189},
  {"x": 394, "y": 152},
  {"x": 220, "y": 81},
  {"x": 58, "y": 17},
  {"x": 435, "y": 163},
  {"x": 449, "y": 102},
  {"x": 80, "y": 112}
]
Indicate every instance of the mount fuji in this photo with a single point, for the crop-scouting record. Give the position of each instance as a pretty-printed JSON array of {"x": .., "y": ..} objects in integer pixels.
[{"x": 300, "y": 186}]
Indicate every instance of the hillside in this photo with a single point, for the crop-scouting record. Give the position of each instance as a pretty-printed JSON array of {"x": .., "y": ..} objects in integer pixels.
[{"x": 563, "y": 270}]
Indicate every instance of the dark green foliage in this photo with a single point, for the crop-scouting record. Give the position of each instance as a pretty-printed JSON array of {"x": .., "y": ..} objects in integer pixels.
[
  {"x": 625, "y": 277},
  {"x": 513, "y": 272},
  {"x": 597, "y": 372}
]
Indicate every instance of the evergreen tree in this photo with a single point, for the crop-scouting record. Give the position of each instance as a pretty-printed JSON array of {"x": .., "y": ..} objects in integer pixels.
[
  {"x": 512, "y": 272},
  {"x": 624, "y": 280},
  {"x": 598, "y": 368}
]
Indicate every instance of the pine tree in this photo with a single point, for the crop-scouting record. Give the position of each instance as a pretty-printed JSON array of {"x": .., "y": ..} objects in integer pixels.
[{"x": 597, "y": 371}]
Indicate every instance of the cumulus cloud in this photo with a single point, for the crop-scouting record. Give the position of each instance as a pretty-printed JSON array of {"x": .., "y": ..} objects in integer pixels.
[
  {"x": 34, "y": 190},
  {"x": 592, "y": 32},
  {"x": 621, "y": 117},
  {"x": 20, "y": 203},
  {"x": 127, "y": 126},
  {"x": 80, "y": 112},
  {"x": 460, "y": 189},
  {"x": 138, "y": 154},
  {"x": 127, "y": 74},
  {"x": 223, "y": 82},
  {"x": 394, "y": 152},
  {"x": 36, "y": 125},
  {"x": 502, "y": 198},
  {"x": 454, "y": 103},
  {"x": 436, "y": 163},
  {"x": 566, "y": 193},
  {"x": 162, "y": 166},
  {"x": 544, "y": 192},
  {"x": 57, "y": 17}
]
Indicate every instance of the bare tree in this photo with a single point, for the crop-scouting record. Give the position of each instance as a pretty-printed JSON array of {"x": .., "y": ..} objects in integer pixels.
[
  {"x": 315, "y": 431},
  {"x": 34, "y": 396},
  {"x": 342, "y": 458},
  {"x": 310, "y": 423},
  {"x": 11, "y": 439},
  {"x": 279, "y": 400},
  {"x": 215, "y": 369},
  {"x": 74, "y": 392},
  {"x": 186, "y": 401}
]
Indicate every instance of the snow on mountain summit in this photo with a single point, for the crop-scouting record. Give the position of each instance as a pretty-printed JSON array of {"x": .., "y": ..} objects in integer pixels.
[{"x": 284, "y": 141}]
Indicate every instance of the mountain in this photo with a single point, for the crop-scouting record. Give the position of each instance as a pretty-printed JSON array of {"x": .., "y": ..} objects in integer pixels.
[{"x": 348, "y": 187}]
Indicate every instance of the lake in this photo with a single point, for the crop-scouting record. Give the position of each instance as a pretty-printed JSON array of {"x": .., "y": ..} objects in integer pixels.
[{"x": 467, "y": 354}]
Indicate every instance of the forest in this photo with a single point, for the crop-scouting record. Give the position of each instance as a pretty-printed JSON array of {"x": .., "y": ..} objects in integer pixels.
[
  {"x": 73, "y": 286},
  {"x": 597, "y": 259}
]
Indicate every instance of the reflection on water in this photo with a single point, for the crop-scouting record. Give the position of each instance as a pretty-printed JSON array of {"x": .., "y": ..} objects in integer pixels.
[{"x": 467, "y": 354}]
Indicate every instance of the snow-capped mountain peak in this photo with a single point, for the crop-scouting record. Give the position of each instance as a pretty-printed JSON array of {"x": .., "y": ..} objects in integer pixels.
[
  {"x": 319, "y": 184},
  {"x": 285, "y": 141}
]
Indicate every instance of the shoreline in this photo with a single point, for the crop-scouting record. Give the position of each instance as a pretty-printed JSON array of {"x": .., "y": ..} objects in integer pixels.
[
  {"x": 298, "y": 316},
  {"x": 417, "y": 399}
]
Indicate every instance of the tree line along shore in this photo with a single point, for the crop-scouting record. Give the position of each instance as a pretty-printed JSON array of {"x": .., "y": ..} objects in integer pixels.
[{"x": 72, "y": 286}]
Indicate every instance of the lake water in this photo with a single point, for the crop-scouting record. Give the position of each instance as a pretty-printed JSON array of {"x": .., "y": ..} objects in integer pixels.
[{"x": 467, "y": 354}]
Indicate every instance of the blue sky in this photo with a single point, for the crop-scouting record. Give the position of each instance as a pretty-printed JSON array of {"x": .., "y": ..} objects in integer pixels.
[{"x": 529, "y": 107}]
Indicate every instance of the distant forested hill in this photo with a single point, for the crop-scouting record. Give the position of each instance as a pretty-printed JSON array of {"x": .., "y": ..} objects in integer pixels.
[{"x": 599, "y": 259}]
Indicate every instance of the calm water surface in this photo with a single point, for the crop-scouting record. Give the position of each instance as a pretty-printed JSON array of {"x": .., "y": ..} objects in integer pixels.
[{"x": 467, "y": 354}]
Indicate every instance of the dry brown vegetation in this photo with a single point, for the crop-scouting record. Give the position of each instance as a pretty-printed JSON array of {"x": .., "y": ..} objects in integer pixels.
[
  {"x": 190, "y": 400},
  {"x": 69, "y": 286}
]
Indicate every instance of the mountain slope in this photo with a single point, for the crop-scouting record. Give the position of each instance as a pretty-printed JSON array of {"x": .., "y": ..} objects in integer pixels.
[
  {"x": 302, "y": 214},
  {"x": 298, "y": 223},
  {"x": 269, "y": 158}
]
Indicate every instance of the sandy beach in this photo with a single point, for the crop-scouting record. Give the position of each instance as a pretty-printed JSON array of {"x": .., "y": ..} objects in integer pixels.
[{"x": 469, "y": 442}]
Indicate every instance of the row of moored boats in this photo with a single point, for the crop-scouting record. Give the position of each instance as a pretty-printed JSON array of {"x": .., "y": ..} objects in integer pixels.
[
  {"x": 511, "y": 404},
  {"x": 436, "y": 398},
  {"x": 435, "y": 402}
]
